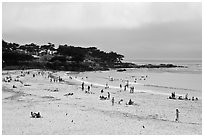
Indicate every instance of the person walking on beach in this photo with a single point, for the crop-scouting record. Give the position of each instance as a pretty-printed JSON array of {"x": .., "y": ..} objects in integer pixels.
[
  {"x": 88, "y": 88},
  {"x": 108, "y": 95},
  {"x": 177, "y": 115},
  {"x": 120, "y": 85},
  {"x": 112, "y": 101},
  {"x": 125, "y": 87},
  {"x": 82, "y": 86},
  {"x": 106, "y": 86}
]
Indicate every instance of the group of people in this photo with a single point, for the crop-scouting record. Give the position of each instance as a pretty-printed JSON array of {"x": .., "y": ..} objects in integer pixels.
[
  {"x": 102, "y": 97},
  {"x": 35, "y": 115},
  {"x": 7, "y": 79},
  {"x": 173, "y": 96},
  {"x": 54, "y": 79},
  {"x": 130, "y": 102}
]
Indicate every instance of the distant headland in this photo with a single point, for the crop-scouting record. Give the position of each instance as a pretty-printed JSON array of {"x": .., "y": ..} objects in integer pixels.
[{"x": 65, "y": 58}]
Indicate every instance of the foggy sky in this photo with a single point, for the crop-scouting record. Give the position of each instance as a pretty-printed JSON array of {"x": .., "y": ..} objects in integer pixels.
[{"x": 136, "y": 30}]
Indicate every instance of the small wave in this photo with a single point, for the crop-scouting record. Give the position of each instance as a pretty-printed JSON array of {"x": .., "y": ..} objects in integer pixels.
[{"x": 158, "y": 86}]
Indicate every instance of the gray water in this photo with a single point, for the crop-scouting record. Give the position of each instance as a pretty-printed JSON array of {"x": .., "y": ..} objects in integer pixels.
[{"x": 192, "y": 65}]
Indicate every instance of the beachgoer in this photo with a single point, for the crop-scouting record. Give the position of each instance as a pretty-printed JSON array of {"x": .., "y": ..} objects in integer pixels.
[
  {"x": 14, "y": 86},
  {"x": 177, "y": 115},
  {"x": 127, "y": 83},
  {"x": 38, "y": 115},
  {"x": 88, "y": 88},
  {"x": 101, "y": 90},
  {"x": 106, "y": 85},
  {"x": 108, "y": 95},
  {"x": 130, "y": 102},
  {"x": 119, "y": 102},
  {"x": 125, "y": 87},
  {"x": 180, "y": 97},
  {"x": 82, "y": 86},
  {"x": 131, "y": 89},
  {"x": 173, "y": 95},
  {"x": 186, "y": 96},
  {"x": 112, "y": 101},
  {"x": 120, "y": 85}
]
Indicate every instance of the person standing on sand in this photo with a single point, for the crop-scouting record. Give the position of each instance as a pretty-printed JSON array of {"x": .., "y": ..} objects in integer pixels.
[
  {"x": 177, "y": 115},
  {"x": 88, "y": 88},
  {"x": 112, "y": 101}
]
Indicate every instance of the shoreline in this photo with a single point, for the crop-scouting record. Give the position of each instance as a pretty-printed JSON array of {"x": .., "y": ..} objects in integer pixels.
[{"x": 122, "y": 65}]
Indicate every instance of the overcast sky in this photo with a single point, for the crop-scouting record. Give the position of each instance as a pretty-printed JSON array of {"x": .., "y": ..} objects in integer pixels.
[{"x": 136, "y": 30}]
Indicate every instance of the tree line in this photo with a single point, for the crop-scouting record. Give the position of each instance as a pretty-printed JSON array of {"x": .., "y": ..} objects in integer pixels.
[{"x": 62, "y": 58}]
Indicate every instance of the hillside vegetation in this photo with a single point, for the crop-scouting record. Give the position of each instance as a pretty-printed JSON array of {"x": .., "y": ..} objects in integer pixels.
[
  {"x": 67, "y": 58},
  {"x": 16, "y": 56}
]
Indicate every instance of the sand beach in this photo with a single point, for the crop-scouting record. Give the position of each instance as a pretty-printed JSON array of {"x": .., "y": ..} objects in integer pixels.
[{"x": 66, "y": 109}]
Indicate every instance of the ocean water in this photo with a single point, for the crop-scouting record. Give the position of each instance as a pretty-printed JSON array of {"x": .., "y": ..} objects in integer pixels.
[
  {"x": 186, "y": 79},
  {"x": 192, "y": 65},
  {"x": 162, "y": 80}
]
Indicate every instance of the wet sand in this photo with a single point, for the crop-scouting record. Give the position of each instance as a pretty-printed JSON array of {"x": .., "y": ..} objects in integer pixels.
[{"x": 84, "y": 113}]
